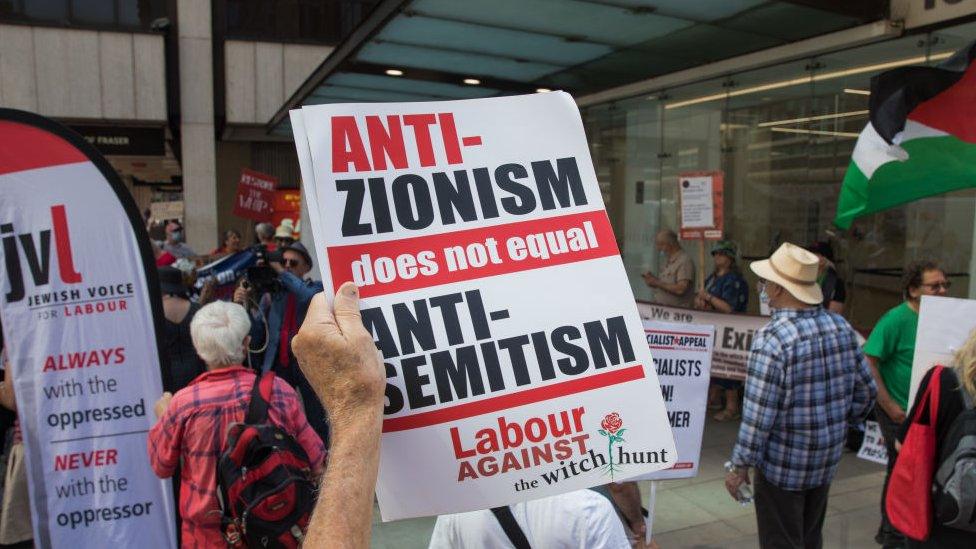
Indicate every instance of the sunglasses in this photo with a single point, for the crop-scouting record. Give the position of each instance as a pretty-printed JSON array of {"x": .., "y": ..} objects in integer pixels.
[{"x": 293, "y": 263}]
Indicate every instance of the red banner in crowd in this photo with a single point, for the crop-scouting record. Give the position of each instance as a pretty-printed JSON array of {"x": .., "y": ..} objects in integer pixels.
[
  {"x": 287, "y": 205},
  {"x": 255, "y": 195}
]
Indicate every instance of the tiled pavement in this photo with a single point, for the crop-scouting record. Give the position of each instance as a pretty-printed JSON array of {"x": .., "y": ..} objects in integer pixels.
[{"x": 697, "y": 513}]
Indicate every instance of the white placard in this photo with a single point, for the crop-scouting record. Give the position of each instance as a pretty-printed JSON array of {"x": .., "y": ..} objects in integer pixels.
[
  {"x": 697, "y": 202},
  {"x": 682, "y": 358},
  {"x": 78, "y": 323},
  {"x": 733, "y": 334},
  {"x": 162, "y": 211},
  {"x": 873, "y": 447},
  {"x": 944, "y": 324},
  {"x": 494, "y": 289}
]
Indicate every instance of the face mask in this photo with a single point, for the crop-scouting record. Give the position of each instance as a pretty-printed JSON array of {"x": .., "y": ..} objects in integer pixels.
[{"x": 177, "y": 236}]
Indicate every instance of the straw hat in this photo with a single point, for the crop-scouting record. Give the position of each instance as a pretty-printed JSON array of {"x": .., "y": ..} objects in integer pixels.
[
  {"x": 286, "y": 229},
  {"x": 793, "y": 268}
]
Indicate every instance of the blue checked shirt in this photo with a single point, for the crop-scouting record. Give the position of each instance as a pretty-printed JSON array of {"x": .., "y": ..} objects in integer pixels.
[{"x": 807, "y": 380}]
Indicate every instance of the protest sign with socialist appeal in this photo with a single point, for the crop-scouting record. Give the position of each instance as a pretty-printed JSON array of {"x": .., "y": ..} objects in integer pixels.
[
  {"x": 255, "y": 195},
  {"x": 733, "y": 334},
  {"x": 682, "y": 359},
  {"x": 516, "y": 362},
  {"x": 80, "y": 307}
]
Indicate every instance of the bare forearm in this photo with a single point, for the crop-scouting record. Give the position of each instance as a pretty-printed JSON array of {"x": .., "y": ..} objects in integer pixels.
[
  {"x": 884, "y": 397},
  {"x": 678, "y": 288},
  {"x": 627, "y": 496},
  {"x": 720, "y": 305},
  {"x": 344, "y": 510}
]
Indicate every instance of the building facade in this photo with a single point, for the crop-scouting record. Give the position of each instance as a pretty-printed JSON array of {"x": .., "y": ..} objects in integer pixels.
[
  {"x": 181, "y": 95},
  {"x": 175, "y": 93}
]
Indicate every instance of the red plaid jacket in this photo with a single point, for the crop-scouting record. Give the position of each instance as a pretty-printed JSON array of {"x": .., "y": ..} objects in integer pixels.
[{"x": 192, "y": 432}]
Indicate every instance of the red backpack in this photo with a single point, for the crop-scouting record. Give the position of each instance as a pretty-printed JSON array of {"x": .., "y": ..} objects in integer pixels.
[{"x": 265, "y": 482}]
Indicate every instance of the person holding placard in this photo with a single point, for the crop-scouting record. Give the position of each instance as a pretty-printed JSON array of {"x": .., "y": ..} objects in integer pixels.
[
  {"x": 726, "y": 291},
  {"x": 890, "y": 350},
  {"x": 807, "y": 381},
  {"x": 676, "y": 284}
]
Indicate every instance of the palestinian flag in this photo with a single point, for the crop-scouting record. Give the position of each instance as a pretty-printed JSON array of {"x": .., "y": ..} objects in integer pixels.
[{"x": 921, "y": 140}]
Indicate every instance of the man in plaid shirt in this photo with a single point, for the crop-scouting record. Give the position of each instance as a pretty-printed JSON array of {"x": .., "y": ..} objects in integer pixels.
[
  {"x": 807, "y": 381},
  {"x": 192, "y": 426}
]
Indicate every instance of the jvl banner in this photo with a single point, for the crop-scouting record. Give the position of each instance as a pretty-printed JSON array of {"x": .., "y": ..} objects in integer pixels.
[
  {"x": 682, "y": 358},
  {"x": 77, "y": 313},
  {"x": 516, "y": 361},
  {"x": 733, "y": 334}
]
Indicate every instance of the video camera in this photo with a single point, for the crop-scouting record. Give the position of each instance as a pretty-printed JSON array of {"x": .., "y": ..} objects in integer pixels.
[{"x": 262, "y": 278}]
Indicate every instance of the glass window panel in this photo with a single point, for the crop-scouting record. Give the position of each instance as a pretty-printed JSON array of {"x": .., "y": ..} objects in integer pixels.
[
  {"x": 99, "y": 12},
  {"x": 783, "y": 136},
  {"x": 135, "y": 13},
  {"x": 47, "y": 10}
]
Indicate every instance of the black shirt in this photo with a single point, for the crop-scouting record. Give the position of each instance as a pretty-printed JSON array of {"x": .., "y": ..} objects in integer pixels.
[{"x": 184, "y": 362}]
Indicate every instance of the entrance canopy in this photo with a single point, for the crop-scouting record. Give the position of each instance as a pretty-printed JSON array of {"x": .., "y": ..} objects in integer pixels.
[{"x": 428, "y": 50}]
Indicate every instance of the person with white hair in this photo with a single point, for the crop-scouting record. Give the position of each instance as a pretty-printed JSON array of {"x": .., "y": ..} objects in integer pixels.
[
  {"x": 193, "y": 422},
  {"x": 265, "y": 233}
]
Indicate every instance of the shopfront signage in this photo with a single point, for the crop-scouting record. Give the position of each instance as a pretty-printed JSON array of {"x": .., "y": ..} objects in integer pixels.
[
  {"x": 124, "y": 141},
  {"x": 517, "y": 365},
  {"x": 919, "y": 13}
]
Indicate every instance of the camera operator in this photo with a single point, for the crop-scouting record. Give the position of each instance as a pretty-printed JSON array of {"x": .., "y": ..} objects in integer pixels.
[{"x": 282, "y": 298}]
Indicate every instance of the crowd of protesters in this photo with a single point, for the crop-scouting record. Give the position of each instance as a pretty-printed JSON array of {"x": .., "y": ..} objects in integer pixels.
[
  {"x": 808, "y": 380},
  {"x": 810, "y": 385}
]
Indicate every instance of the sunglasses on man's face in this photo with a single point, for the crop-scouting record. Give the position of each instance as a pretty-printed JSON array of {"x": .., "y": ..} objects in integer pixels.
[{"x": 293, "y": 263}]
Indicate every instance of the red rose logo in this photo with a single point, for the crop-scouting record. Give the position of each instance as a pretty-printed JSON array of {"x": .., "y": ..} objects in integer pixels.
[{"x": 612, "y": 422}]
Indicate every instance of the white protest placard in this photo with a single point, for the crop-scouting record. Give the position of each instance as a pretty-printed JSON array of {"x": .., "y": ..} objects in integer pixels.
[
  {"x": 697, "y": 204},
  {"x": 873, "y": 447},
  {"x": 944, "y": 324},
  {"x": 79, "y": 295},
  {"x": 516, "y": 361},
  {"x": 682, "y": 359},
  {"x": 733, "y": 334},
  {"x": 166, "y": 210}
]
